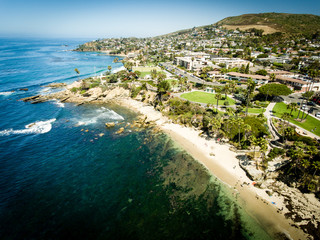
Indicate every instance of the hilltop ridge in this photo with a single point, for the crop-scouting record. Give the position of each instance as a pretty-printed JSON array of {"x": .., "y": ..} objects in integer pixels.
[{"x": 291, "y": 24}]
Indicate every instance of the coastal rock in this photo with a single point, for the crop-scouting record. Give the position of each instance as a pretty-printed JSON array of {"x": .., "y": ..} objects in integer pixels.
[
  {"x": 56, "y": 85},
  {"x": 110, "y": 125},
  {"x": 27, "y": 99},
  {"x": 121, "y": 130},
  {"x": 250, "y": 168},
  {"x": 24, "y": 89}
]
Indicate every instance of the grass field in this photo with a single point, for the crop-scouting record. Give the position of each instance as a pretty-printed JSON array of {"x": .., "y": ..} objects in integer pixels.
[
  {"x": 204, "y": 97},
  {"x": 308, "y": 124},
  {"x": 145, "y": 69},
  {"x": 256, "y": 110}
]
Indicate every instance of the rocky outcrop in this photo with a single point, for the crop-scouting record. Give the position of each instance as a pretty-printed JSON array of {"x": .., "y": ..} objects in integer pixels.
[
  {"x": 110, "y": 125},
  {"x": 56, "y": 85},
  {"x": 35, "y": 99}
]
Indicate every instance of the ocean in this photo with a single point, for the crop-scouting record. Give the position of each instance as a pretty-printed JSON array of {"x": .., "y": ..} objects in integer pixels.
[{"x": 63, "y": 175}]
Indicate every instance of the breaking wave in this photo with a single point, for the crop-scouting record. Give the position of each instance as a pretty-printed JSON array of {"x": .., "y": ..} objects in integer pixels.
[
  {"x": 5, "y": 93},
  {"x": 38, "y": 127},
  {"x": 98, "y": 115}
]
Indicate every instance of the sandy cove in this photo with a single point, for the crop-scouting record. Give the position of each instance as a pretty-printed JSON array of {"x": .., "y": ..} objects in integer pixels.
[{"x": 225, "y": 166}]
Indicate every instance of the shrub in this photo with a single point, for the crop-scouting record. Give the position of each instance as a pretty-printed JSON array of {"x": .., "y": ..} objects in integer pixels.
[
  {"x": 74, "y": 89},
  {"x": 275, "y": 152}
]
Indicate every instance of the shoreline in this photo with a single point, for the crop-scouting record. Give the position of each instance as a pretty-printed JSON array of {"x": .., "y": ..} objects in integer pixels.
[
  {"x": 224, "y": 166},
  {"x": 285, "y": 211}
]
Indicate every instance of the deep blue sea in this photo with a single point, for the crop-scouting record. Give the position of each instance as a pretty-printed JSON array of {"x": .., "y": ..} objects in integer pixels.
[{"x": 63, "y": 175}]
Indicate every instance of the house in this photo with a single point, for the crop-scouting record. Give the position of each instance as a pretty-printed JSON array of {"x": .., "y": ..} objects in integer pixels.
[
  {"x": 244, "y": 77},
  {"x": 232, "y": 62},
  {"x": 299, "y": 85}
]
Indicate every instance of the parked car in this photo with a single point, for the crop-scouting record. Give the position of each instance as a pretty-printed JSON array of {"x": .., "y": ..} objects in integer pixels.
[
  {"x": 317, "y": 114},
  {"x": 304, "y": 107},
  {"x": 311, "y": 104}
]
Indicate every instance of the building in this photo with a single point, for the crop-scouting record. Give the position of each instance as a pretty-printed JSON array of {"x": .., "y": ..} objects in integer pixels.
[
  {"x": 232, "y": 62},
  {"x": 299, "y": 85},
  {"x": 244, "y": 77}
]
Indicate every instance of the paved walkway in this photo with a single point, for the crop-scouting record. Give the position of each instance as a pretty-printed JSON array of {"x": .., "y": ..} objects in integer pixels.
[{"x": 268, "y": 114}]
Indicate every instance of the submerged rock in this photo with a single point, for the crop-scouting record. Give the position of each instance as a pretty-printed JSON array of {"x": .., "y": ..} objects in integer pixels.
[
  {"x": 121, "y": 130},
  {"x": 110, "y": 125}
]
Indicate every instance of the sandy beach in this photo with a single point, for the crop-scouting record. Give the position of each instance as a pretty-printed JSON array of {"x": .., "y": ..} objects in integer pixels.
[
  {"x": 281, "y": 208},
  {"x": 222, "y": 163}
]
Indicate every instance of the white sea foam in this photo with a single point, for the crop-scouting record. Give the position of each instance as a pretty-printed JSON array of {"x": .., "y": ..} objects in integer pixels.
[
  {"x": 118, "y": 69},
  {"x": 98, "y": 115},
  {"x": 38, "y": 127},
  {"x": 59, "y": 104},
  {"x": 5, "y": 93}
]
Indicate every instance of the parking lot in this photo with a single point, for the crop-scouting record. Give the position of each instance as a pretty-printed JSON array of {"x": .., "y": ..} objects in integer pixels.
[{"x": 297, "y": 98}]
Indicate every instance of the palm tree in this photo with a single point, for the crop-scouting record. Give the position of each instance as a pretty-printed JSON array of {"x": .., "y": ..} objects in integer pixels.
[
  {"x": 292, "y": 106},
  {"x": 286, "y": 116},
  {"x": 254, "y": 142},
  {"x": 218, "y": 96},
  {"x": 247, "y": 130},
  {"x": 78, "y": 72},
  {"x": 109, "y": 68},
  {"x": 226, "y": 90},
  {"x": 239, "y": 122},
  {"x": 263, "y": 144},
  {"x": 250, "y": 89},
  {"x": 215, "y": 125},
  {"x": 116, "y": 60},
  {"x": 230, "y": 111},
  {"x": 306, "y": 97}
]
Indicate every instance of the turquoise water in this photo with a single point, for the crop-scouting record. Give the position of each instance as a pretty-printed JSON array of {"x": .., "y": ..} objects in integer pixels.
[{"x": 66, "y": 176}]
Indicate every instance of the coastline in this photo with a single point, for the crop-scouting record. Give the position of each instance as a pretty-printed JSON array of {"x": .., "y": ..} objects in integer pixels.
[
  {"x": 225, "y": 166},
  {"x": 287, "y": 211}
]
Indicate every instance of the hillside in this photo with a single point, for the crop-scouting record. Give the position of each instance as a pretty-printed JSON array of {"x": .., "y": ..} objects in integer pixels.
[{"x": 291, "y": 24}]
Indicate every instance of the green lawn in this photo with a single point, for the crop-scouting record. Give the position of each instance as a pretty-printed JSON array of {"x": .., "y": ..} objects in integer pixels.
[
  {"x": 256, "y": 110},
  {"x": 143, "y": 74},
  {"x": 204, "y": 97},
  {"x": 309, "y": 124}
]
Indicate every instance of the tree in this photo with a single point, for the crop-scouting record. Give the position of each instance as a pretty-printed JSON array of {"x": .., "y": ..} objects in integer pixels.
[
  {"x": 239, "y": 122},
  {"x": 115, "y": 60},
  {"x": 250, "y": 89},
  {"x": 262, "y": 72},
  {"x": 154, "y": 73},
  {"x": 263, "y": 144},
  {"x": 218, "y": 96},
  {"x": 77, "y": 71},
  {"x": 226, "y": 90},
  {"x": 162, "y": 88},
  {"x": 293, "y": 107},
  {"x": 109, "y": 68},
  {"x": 254, "y": 142},
  {"x": 247, "y": 130},
  {"x": 306, "y": 97},
  {"x": 286, "y": 116},
  {"x": 215, "y": 125},
  {"x": 161, "y": 76},
  {"x": 272, "y": 77},
  {"x": 274, "y": 89},
  {"x": 246, "y": 71}
]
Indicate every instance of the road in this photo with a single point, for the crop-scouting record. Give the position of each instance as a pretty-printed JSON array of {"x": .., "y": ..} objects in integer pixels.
[{"x": 190, "y": 77}]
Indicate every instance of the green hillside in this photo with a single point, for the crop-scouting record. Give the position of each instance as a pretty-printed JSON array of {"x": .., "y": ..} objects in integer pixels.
[{"x": 305, "y": 24}]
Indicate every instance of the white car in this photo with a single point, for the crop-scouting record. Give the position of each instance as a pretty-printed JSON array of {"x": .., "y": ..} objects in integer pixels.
[{"x": 318, "y": 115}]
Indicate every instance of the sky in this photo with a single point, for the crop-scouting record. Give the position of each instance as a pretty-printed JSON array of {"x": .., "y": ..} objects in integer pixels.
[{"x": 135, "y": 18}]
